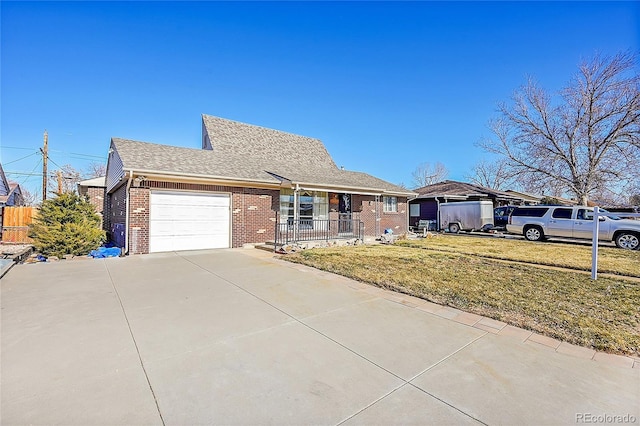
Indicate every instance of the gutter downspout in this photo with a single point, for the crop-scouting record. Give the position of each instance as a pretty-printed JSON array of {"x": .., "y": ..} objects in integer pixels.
[
  {"x": 438, "y": 213},
  {"x": 126, "y": 214}
]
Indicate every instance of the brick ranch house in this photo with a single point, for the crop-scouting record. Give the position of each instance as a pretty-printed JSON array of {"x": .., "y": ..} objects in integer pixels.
[{"x": 235, "y": 189}]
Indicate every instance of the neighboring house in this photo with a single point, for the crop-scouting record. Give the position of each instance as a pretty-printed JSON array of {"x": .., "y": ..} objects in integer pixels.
[
  {"x": 528, "y": 198},
  {"x": 426, "y": 205},
  {"x": 233, "y": 191},
  {"x": 94, "y": 190},
  {"x": 10, "y": 196},
  {"x": 4, "y": 189},
  {"x": 537, "y": 199},
  {"x": 10, "y": 192}
]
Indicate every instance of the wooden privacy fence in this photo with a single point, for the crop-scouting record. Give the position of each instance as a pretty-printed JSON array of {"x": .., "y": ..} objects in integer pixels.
[{"x": 15, "y": 224}]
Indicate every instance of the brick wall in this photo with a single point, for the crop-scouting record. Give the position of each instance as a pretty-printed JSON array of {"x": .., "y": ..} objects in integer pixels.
[
  {"x": 366, "y": 205},
  {"x": 253, "y": 211},
  {"x": 139, "y": 220},
  {"x": 396, "y": 221},
  {"x": 253, "y": 215},
  {"x": 96, "y": 198}
]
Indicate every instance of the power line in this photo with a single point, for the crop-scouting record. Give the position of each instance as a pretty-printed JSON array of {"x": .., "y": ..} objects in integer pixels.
[
  {"x": 33, "y": 170},
  {"x": 50, "y": 159},
  {"x": 19, "y": 159},
  {"x": 102, "y": 157},
  {"x": 93, "y": 159},
  {"x": 78, "y": 154},
  {"x": 18, "y": 147},
  {"x": 25, "y": 173}
]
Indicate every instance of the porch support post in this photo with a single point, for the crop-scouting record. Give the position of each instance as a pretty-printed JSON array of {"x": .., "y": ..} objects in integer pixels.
[
  {"x": 296, "y": 212},
  {"x": 377, "y": 228}
]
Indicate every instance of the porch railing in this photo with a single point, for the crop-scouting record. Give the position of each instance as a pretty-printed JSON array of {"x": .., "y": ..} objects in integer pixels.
[{"x": 294, "y": 231}]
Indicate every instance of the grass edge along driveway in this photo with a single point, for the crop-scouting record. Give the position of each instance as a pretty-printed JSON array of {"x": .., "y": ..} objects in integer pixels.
[
  {"x": 566, "y": 305},
  {"x": 610, "y": 260}
]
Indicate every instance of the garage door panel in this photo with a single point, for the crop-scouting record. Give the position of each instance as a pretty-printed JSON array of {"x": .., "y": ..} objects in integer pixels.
[
  {"x": 220, "y": 214},
  {"x": 188, "y": 221},
  {"x": 201, "y": 213},
  {"x": 178, "y": 228},
  {"x": 202, "y": 228}
]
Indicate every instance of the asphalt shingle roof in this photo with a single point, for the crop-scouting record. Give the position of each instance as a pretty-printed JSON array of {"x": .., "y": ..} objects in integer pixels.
[
  {"x": 245, "y": 152},
  {"x": 145, "y": 156},
  {"x": 265, "y": 147},
  {"x": 452, "y": 187}
]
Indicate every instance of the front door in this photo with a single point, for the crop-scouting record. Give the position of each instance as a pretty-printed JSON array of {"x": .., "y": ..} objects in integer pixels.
[{"x": 344, "y": 209}]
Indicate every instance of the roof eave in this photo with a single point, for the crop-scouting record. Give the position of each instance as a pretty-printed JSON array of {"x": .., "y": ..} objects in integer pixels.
[
  {"x": 353, "y": 189},
  {"x": 227, "y": 180}
]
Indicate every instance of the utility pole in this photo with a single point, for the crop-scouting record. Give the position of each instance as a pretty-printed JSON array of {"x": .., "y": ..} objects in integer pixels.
[
  {"x": 45, "y": 157},
  {"x": 59, "y": 173}
]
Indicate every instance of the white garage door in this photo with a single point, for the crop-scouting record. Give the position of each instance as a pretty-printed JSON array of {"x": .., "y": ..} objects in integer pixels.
[{"x": 188, "y": 221}]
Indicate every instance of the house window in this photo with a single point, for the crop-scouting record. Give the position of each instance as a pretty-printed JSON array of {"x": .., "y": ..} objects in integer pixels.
[
  {"x": 311, "y": 205},
  {"x": 286, "y": 205},
  {"x": 414, "y": 210},
  {"x": 390, "y": 204}
]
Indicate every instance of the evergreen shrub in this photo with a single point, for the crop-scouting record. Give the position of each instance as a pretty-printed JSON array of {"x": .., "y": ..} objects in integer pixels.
[{"x": 67, "y": 224}]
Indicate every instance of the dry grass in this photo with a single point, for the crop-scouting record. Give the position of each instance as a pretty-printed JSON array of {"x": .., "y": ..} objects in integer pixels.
[
  {"x": 604, "y": 315},
  {"x": 610, "y": 260}
]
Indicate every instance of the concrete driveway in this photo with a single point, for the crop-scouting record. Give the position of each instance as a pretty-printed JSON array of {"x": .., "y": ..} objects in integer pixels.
[{"x": 237, "y": 337}]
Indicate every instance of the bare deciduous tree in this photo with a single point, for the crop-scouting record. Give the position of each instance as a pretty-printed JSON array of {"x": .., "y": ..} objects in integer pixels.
[
  {"x": 64, "y": 180},
  {"x": 70, "y": 176},
  {"x": 427, "y": 174},
  {"x": 29, "y": 198},
  {"x": 95, "y": 170},
  {"x": 492, "y": 174},
  {"x": 585, "y": 142}
]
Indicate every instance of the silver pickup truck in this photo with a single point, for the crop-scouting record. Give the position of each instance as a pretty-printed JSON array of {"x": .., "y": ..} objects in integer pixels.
[{"x": 538, "y": 222}]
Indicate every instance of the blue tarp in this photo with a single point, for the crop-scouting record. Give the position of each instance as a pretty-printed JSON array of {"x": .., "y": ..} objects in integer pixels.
[{"x": 105, "y": 252}]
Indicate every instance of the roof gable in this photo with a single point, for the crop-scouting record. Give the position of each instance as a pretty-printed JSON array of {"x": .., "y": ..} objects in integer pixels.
[
  {"x": 4, "y": 184},
  {"x": 14, "y": 196},
  {"x": 230, "y": 138}
]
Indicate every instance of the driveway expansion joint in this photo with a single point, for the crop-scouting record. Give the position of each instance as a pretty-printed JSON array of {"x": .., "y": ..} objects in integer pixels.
[
  {"x": 135, "y": 343},
  {"x": 487, "y": 324},
  {"x": 404, "y": 382}
]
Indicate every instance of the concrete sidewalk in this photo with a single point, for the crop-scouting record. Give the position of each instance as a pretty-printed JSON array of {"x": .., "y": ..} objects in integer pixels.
[{"x": 237, "y": 337}]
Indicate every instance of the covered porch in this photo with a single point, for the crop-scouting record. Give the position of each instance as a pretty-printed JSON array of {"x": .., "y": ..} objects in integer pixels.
[{"x": 316, "y": 214}]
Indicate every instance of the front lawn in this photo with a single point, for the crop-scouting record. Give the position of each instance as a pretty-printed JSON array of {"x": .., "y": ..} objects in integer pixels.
[
  {"x": 610, "y": 260},
  {"x": 604, "y": 315}
]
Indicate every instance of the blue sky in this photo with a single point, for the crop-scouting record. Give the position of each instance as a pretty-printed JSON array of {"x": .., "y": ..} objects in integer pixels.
[{"x": 385, "y": 85}]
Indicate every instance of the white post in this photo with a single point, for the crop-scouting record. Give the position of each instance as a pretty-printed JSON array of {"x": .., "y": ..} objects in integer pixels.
[{"x": 594, "y": 243}]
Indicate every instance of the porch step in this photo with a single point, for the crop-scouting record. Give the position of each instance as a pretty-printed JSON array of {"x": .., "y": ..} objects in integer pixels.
[{"x": 268, "y": 246}]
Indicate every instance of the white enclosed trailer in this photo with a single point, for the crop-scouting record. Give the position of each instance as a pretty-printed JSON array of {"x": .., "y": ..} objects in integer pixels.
[{"x": 465, "y": 215}]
